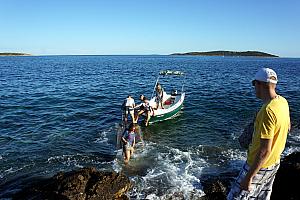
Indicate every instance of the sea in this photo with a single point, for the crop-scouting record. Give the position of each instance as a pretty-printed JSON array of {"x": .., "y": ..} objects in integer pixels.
[{"x": 61, "y": 113}]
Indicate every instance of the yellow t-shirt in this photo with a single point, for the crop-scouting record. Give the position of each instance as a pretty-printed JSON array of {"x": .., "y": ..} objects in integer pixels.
[{"x": 272, "y": 122}]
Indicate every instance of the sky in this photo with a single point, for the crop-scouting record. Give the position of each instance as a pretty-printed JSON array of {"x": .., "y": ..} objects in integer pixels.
[{"x": 140, "y": 27}]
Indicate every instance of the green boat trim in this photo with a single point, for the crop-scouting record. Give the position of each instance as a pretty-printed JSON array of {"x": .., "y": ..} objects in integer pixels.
[{"x": 165, "y": 114}]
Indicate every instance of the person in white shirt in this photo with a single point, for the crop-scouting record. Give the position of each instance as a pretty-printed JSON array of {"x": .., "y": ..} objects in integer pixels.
[{"x": 128, "y": 108}]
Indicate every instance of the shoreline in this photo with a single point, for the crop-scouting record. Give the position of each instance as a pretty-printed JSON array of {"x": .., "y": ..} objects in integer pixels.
[{"x": 75, "y": 184}]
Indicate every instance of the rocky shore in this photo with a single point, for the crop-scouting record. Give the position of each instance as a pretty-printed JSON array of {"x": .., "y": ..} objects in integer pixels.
[
  {"x": 90, "y": 184},
  {"x": 83, "y": 184},
  {"x": 285, "y": 185}
]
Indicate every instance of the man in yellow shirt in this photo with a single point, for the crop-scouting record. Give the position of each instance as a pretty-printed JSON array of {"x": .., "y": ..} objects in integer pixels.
[{"x": 271, "y": 127}]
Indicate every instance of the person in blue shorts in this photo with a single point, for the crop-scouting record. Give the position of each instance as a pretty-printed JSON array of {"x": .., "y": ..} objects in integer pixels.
[{"x": 128, "y": 140}]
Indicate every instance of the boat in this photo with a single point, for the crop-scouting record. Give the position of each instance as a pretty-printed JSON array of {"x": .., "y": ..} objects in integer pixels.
[{"x": 172, "y": 102}]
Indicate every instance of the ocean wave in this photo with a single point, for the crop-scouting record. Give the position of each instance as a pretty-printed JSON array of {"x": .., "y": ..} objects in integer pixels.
[
  {"x": 67, "y": 160},
  {"x": 160, "y": 172}
]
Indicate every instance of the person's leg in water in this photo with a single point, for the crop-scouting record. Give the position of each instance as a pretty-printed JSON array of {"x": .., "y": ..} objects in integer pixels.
[
  {"x": 148, "y": 115},
  {"x": 124, "y": 151},
  {"x": 127, "y": 156},
  {"x": 131, "y": 151}
]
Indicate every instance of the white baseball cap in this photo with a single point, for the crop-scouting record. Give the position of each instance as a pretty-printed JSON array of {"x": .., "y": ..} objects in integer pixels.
[{"x": 265, "y": 74}]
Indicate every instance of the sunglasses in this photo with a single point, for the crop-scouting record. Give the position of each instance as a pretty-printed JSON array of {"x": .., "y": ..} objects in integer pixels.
[{"x": 255, "y": 82}]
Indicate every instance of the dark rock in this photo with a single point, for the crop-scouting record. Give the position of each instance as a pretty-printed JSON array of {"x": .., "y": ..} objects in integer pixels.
[
  {"x": 214, "y": 189},
  {"x": 216, "y": 186},
  {"x": 85, "y": 184},
  {"x": 286, "y": 184}
]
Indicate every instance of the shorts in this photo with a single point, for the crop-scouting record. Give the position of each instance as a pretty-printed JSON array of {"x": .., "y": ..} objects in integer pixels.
[
  {"x": 261, "y": 186},
  {"x": 158, "y": 99},
  {"x": 128, "y": 110},
  {"x": 127, "y": 147}
]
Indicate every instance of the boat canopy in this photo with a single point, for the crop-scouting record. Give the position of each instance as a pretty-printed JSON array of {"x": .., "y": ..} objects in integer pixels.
[
  {"x": 164, "y": 73},
  {"x": 170, "y": 72}
]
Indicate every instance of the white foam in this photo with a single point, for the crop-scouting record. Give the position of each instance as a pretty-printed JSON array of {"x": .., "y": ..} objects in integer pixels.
[
  {"x": 69, "y": 160},
  {"x": 289, "y": 150},
  {"x": 102, "y": 138},
  {"x": 105, "y": 138},
  {"x": 235, "y": 154},
  {"x": 10, "y": 170},
  {"x": 14, "y": 170},
  {"x": 116, "y": 165},
  {"x": 174, "y": 172}
]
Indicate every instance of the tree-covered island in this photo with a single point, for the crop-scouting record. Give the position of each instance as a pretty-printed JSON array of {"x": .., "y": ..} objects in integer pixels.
[
  {"x": 15, "y": 54},
  {"x": 226, "y": 53}
]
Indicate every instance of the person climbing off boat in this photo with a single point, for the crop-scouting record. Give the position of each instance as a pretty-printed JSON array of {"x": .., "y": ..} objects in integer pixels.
[
  {"x": 128, "y": 140},
  {"x": 128, "y": 108},
  {"x": 144, "y": 108}
]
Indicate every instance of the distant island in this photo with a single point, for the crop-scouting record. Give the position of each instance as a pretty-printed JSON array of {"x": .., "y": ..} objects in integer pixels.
[
  {"x": 226, "y": 53},
  {"x": 15, "y": 54}
]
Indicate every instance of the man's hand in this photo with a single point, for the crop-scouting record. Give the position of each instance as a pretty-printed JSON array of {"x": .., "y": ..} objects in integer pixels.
[{"x": 125, "y": 141}]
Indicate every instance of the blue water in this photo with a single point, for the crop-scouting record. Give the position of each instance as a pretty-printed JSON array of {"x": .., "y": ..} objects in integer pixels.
[{"x": 59, "y": 113}]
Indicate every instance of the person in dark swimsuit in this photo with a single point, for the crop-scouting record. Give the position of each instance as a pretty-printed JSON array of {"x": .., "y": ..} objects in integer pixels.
[{"x": 144, "y": 108}]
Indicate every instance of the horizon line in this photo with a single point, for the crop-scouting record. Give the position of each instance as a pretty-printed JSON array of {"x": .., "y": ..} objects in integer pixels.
[{"x": 29, "y": 54}]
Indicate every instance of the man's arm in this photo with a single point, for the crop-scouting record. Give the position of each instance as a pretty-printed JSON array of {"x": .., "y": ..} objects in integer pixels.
[
  {"x": 262, "y": 155},
  {"x": 139, "y": 105}
]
